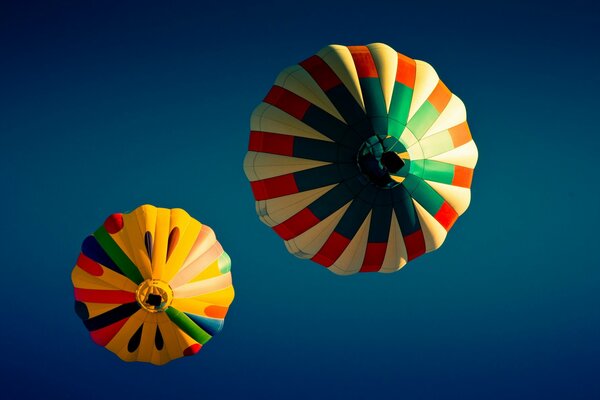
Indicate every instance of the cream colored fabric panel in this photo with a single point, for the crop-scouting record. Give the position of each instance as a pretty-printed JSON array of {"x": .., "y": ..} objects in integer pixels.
[
  {"x": 310, "y": 242},
  {"x": 259, "y": 166},
  {"x": 341, "y": 62},
  {"x": 200, "y": 264},
  {"x": 395, "y": 253},
  {"x": 458, "y": 197},
  {"x": 465, "y": 155},
  {"x": 201, "y": 287},
  {"x": 386, "y": 62},
  {"x": 297, "y": 80},
  {"x": 433, "y": 232},
  {"x": 274, "y": 211},
  {"x": 454, "y": 114},
  {"x": 352, "y": 258},
  {"x": 267, "y": 118},
  {"x": 407, "y": 138},
  {"x": 426, "y": 79}
]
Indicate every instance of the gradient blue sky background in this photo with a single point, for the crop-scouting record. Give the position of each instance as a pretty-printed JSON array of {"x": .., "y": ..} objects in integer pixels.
[{"x": 105, "y": 106}]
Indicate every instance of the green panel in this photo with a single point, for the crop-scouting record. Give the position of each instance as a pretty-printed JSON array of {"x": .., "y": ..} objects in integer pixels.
[
  {"x": 118, "y": 256},
  {"x": 436, "y": 144},
  {"x": 438, "y": 171},
  {"x": 411, "y": 182},
  {"x": 426, "y": 196},
  {"x": 417, "y": 167},
  {"x": 395, "y": 127},
  {"x": 373, "y": 97},
  {"x": 187, "y": 325},
  {"x": 400, "y": 104},
  {"x": 423, "y": 119}
]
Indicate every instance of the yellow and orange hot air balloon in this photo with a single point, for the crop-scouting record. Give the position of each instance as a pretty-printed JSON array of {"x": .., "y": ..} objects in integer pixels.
[{"x": 152, "y": 285}]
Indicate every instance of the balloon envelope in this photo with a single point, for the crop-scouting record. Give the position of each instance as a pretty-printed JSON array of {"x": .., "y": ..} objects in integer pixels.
[
  {"x": 152, "y": 285},
  {"x": 360, "y": 159}
]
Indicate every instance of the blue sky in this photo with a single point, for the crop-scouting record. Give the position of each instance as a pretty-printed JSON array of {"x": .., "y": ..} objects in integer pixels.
[{"x": 108, "y": 105}]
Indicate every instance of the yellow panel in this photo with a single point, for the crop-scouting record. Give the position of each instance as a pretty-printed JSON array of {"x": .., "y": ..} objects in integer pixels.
[
  {"x": 159, "y": 242},
  {"x": 118, "y": 344},
  {"x": 202, "y": 287},
  {"x": 187, "y": 238},
  {"x": 351, "y": 259},
  {"x": 109, "y": 280},
  {"x": 274, "y": 211},
  {"x": 307, "y": 244},
  {"x": 340, "y": 60},
  {"x": 194, "y": 268},
  {"x": 386, "y": 62},
  {"x": 267, "y": 118},
  {"x": 146, "y": 347},
  {"x": 395, "y": 253},
  {"x": 465, "y": 155},
  {"x": 458, "y": 197},
  {"x": 454, "y": 114},
  {"x": 265, "y": 165},
  {"x": 169, "y": 333},
  {"x": 146, "y": 217},
  {"x": 209, "y": 272},
  {"x": 433, "y": 232},
  {"x": 131, "y": 240},
  {"x": 426, "y": 79},
  {"x": 297, "y": 80},
  {"x": 198, "y": 305},
  {"x": 95, "y": 309}
]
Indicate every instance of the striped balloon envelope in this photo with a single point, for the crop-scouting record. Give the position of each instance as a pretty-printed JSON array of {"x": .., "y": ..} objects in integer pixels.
[
  {"x": 360, "y": 158},
  {"x": 152, "y": 285}
]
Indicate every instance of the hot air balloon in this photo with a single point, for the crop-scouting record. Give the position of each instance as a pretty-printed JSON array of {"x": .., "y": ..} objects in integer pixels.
[
  {"x": 360, "y": 159},
  {"x": 152, "y": 285}
]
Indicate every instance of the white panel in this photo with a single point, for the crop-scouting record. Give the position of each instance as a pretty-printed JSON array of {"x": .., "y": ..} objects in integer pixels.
[
  {"x": 458, "y": 197},
  {"x": 386, "y": 62},
  {"x": 395, "y": 253},
  {"x": 274, "y": 211},
  {"x": 340, "y": 60},
  {"x": 433, "y": 232},
  {"x": 426, "y": 79},
  {"x": 465, "y": 155},
  {"x": 268, "y": 118},
  {"x": 259, "y": 165},
  {"x": 351, "y": 259},
  {"x": 202, "y": 287},
  {"x": 310, "y": 242},
  {"x": 454, "y": 114},
  {"x": 296, "y": 79}
]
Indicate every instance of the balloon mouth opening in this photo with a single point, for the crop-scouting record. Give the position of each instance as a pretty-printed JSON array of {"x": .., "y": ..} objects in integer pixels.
[
  {"x": 154, "y": 295},
  {"x": 379, "y": 164}
]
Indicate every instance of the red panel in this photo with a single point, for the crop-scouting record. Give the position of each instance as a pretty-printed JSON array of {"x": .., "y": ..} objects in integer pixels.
[
  {"x": 193, "y": 349},
  {"x": 114, "y": 223},
  {"x": 88, "y": 265},
  {"x": 374, "y": 257},
  {"x": 321, "y": 73},
  {"x": 274, "y": 143},
  {"x": 406, "y": 71},
  {"x": 331, "y": 250},
  {"x": 103, "y": 336},
  {"x": 462, "y": 176},
  {"x": 446, "y": 216},
  {"x": 104, "y": 296},
  {"x": 415, "y": 244},
  {"x": 274, "y": 187},
  {"x": 297, "y": 224},
  {"x": 287, "y": 101},
  {"x": 440, "y": 96},
  {"x": 365, "y": 66}
]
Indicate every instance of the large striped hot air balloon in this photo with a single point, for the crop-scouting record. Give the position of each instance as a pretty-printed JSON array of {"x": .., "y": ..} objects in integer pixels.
[
  {"x": 152, "y": 285},
  {"x": 360, "y": 158}
]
